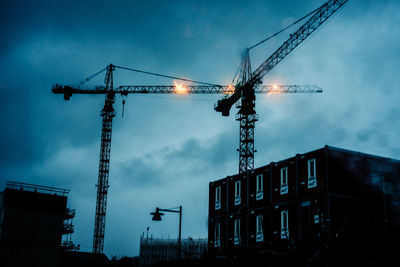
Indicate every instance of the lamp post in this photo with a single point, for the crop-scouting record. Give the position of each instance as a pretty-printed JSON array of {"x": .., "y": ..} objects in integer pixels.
[{"x": 157, "y": 217}]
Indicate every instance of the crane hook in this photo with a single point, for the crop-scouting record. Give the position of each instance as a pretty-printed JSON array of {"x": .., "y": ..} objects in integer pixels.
[{"x": 123, "y": 107}]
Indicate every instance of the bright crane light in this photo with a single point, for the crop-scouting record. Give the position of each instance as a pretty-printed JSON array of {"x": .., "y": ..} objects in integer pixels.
[
  {"x": 229, "y": 90},
  {"x": 180, "y": 88}
]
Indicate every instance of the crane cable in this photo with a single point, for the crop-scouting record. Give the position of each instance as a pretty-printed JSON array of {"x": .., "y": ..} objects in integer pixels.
[
  {"x": 284, "y": 29},
  {"x": 275, "y": 34},
  {"x": 167, "y": 76},
  {"x": 145, "y": 72},
  {"x": 189, "y": 80},
  {"x": 89, "y": 78}
]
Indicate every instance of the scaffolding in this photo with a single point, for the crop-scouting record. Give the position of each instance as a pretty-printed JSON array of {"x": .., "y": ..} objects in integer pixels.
[{"x": 153, "y": 250}]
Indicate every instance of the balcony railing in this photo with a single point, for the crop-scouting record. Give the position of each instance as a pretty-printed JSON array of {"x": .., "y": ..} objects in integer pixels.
[
  {"x": 36, "y": 188},
  {"x": 69, "y": 214},
  {"x": 68, "y": 228}
]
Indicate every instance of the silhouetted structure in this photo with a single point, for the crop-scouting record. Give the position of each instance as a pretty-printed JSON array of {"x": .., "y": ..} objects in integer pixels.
[
  {"x": 33, "y": 219},
  {"x": 153, "y": 250},
  {"x": 83, "y": 259},
  {"x": 326, "y": 206}
]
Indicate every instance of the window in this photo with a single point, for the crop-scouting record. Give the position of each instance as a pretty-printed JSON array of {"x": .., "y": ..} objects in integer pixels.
[
  {"x": 237, "y": 193},
  {"x": 305, "y": 203},
  {"x": 217, "y": 235},
  {"x": 284, "y": 224},
  {"x": 312, "y": 179},
  {"x": 236, "y": 239},
  {"x": 259, "y": 187},
  {"x": 218, "y": 198},
  {"x": 316, "y": 218},
  {"x": 259, "y": 228},
  {"x": 284, "y": 181}
]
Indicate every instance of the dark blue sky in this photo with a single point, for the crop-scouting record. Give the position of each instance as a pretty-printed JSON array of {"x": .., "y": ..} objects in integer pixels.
[{"x": 166, "y": 149}]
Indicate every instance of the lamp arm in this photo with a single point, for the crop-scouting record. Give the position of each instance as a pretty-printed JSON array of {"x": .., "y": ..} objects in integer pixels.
[{"x": 167, "y": 210}]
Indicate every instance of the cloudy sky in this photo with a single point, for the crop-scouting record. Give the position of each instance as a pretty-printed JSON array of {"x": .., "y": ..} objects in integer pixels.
[{"x": 166, "y": 149}]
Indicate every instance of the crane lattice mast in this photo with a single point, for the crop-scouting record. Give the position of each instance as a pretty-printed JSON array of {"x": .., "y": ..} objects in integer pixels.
[
  {"x": 108, "y": 113},
  {"x": 246, "y": 83}
]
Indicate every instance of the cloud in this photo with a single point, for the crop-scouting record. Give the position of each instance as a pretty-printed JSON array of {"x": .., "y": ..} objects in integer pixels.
[{"x": 170, "y": 164}]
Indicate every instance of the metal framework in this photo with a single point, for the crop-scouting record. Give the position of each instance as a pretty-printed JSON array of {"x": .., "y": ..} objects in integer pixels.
[
  {"x": 246, "y": 83},
  {"x": 69, "y": 90},
  {"x": 295, "y": 39},
  {"x": 108, "y": 113},
  {"x": 246, "y": 142}
]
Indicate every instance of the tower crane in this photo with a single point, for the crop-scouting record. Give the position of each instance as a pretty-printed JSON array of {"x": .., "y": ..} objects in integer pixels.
[
  {"x": 247, "y": 81},
  {"x": 247, "y": 84},
  {"x": 108, "y": 113}
]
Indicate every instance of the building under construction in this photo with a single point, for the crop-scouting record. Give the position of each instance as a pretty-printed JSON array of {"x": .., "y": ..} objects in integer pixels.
[
  {"x": 153, "y": 250},
  {"x": 35, "y": 225},
  {"x": 326, "y": 206}
]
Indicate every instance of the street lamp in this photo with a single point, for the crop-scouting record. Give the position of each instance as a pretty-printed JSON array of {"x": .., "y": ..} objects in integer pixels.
[{"x": 157, "y": 217}]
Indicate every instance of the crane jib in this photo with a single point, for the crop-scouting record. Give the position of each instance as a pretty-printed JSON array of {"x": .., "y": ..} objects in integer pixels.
[
  {"x": 323, "y": 13},
  {"x": 229, "y": 91}
]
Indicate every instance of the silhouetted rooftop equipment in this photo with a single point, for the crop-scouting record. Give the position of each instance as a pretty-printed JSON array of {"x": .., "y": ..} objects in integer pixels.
[{"x": 37, "y": 188}]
